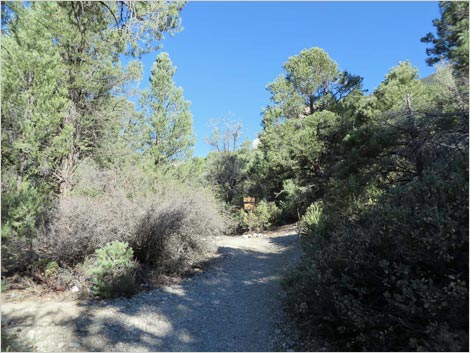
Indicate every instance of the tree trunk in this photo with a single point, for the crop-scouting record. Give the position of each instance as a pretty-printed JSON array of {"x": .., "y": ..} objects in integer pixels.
[
  {"x": 70, "y": 161},
  {"x": 67, "y": 169}
]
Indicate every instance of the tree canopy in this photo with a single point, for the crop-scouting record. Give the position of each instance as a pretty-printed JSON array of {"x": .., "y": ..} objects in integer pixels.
[{"x": 451, "y": 41}]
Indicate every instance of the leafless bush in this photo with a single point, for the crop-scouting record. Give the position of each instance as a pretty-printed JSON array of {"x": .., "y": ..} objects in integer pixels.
[
  {"x": 82, "y": 224},
  {"x": 176, "y": 233},
  {"x": 169, "y": 228}
]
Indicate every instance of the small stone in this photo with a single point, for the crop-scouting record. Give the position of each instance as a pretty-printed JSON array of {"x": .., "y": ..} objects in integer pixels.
[
  {"x": 61, "y": 345},
  {"x": 73, "y": 345},
  {"x": 74, "y": 289}
]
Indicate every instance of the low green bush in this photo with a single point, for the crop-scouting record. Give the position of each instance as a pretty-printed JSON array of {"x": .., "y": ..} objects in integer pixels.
[
  {"x": 312, "y": 217},
  {"x": 113, "y": 271},
  {"x": 51, "y": 269},
  {"x": 22, "y": 204},
  {"x": 262, "y": 217}
]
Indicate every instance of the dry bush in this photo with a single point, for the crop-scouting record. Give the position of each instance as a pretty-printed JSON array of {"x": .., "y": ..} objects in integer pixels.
[
  {"x": 82, "y": 224},
  {"x": 175, "y": 233},
  {"x": 169, "y": 227}
]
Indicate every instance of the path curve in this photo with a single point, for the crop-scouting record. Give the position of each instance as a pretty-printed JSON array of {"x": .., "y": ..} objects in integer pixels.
[{"x": 234, "y": 306}]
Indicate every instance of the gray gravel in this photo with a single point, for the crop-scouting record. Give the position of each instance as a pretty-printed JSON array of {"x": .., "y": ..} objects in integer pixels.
[{"x": 234, "y": 306}]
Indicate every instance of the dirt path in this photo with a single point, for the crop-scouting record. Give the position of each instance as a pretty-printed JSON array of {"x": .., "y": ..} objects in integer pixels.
[{"x": 233, "y": 306}]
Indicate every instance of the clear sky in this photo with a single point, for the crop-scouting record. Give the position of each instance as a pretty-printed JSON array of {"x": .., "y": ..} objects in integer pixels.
[{"x": 229, "y": 51}]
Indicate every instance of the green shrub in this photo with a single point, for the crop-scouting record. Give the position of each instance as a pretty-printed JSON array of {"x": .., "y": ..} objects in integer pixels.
[
  {"x": 22, "y": 205},
  {"x": 264, "y": 215},
  {"x": 113, "y": 271},
  {"x": 40, "y": 264},
  {"x": 392, "y": 275},
  {"x": 244, "y": 220},
  {"x": 311, "y": 218},
  {"x": 52, "y": 269}
]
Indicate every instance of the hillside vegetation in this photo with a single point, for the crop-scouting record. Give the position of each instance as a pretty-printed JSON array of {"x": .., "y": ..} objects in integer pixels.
[{"x": 103, "y": 195}]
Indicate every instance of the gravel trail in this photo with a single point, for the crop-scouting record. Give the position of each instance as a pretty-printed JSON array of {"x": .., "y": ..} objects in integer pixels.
[{"x": 233, "y": 306}]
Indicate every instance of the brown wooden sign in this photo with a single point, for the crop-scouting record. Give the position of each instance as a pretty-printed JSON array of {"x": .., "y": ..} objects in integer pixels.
[{"x": 249, "y": 203}]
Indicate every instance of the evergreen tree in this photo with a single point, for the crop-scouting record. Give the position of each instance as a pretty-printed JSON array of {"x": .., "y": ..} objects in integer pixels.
[
  {"x": 70, "y": 79},
  {"x": 312, "y": 82},
  {"x": 451, "y": 45},
  {"x": 451, "y": 42},
  {"x": 306, "y": 99},
  {"x": 402, "y": 91},
  {"x": 167, "y": 121},
  {"x": 34, "y": 99}
]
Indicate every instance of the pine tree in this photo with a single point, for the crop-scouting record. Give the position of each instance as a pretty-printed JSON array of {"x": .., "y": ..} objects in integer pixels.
[
  {"x": 62, "y": 78},
  {"x": 312, "y": 82},
  {"x": 402, "y": 91},
  {"x": 451, "y": 42},
  {"x": 167, "y": 121}
]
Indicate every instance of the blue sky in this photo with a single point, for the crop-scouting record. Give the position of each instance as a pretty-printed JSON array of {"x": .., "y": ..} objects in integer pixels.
[{"x": 229, "y": 51}]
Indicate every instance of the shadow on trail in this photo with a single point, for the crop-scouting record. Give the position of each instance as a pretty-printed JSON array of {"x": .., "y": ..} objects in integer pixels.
[{"x": 230, "y": 307}]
